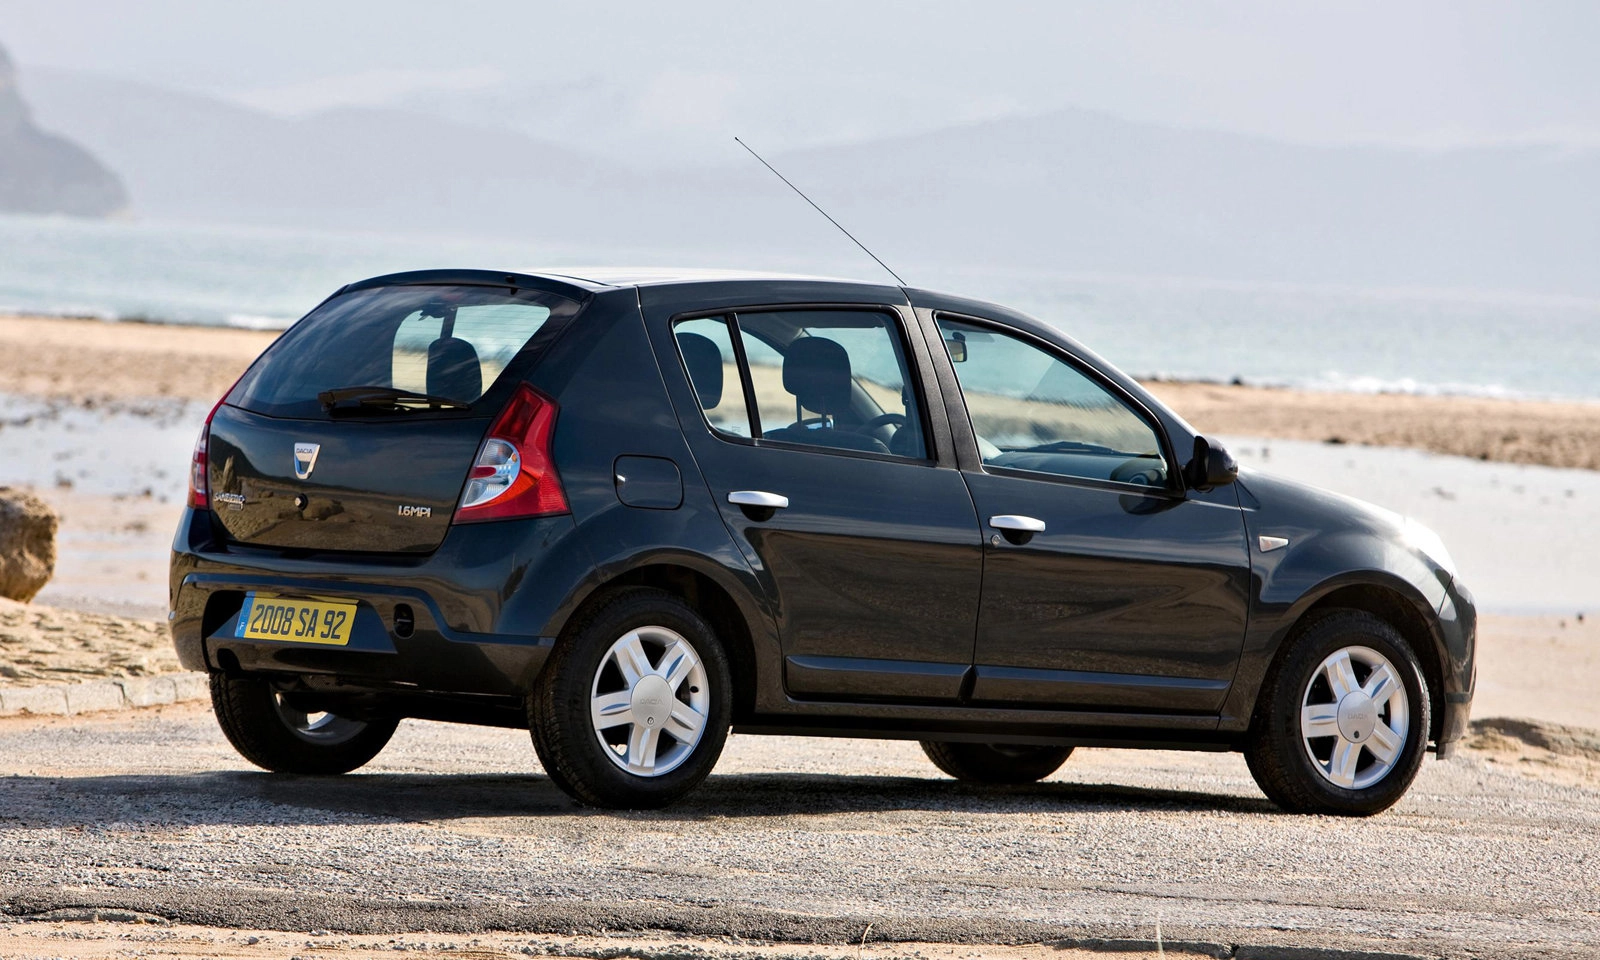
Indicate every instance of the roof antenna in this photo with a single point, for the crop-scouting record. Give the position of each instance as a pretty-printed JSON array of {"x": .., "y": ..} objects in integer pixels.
[{"x": 821, "y": 211}]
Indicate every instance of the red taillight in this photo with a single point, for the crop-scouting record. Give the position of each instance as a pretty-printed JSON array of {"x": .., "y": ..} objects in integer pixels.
[
  {"x": 199, "y": 486},
  {"x": 515, "y": 475}
]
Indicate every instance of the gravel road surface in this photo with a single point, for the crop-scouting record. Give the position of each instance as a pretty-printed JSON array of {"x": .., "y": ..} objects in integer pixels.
[{"x": 454, "y": 830}]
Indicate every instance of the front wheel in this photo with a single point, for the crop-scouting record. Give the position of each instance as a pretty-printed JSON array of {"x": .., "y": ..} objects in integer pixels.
[
  {"x": 277, "y": 731},
  {"x": 1342, "y": 722},
  {"x": 995, "y": 762},
  {"x": 634, "y": 706}
]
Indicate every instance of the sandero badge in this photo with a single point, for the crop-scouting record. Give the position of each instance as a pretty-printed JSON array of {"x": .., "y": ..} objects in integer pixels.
[
  {"x": 631, "y": 512},
  {"x": 305, "y": 459}
]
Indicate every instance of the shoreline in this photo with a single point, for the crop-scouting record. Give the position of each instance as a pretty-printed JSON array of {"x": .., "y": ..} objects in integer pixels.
[{"x": 91, "y": 363}]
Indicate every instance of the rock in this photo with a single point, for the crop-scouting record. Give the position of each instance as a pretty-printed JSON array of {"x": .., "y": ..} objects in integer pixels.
[{"x": 27, "y": 544}]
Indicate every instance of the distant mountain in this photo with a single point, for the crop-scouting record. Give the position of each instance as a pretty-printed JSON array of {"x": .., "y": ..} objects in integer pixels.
[
  {"x": 193, "y": 158},
  {"x": 1072, "y": 192},
  {"x": 44, "y": 173},
  {"x": 1080, "y": 191}
]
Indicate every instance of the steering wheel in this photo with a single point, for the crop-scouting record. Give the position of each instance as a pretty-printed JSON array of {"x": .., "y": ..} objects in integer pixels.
[{"x": 882, "y": 420}]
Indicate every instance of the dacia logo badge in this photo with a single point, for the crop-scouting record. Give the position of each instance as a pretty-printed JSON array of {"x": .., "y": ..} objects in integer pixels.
[{"x": 305, "y": 459}]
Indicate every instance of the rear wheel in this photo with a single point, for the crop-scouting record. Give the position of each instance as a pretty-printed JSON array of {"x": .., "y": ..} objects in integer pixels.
[
  {"x": 633, "y": 709},
  {"x": 995, "y": 762},
  {"x": 1342, "y": 722},
  {"x": 280, "y": 732}
]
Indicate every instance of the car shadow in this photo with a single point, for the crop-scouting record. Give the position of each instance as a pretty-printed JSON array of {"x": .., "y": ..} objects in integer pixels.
[{"x": 249, "y": 798}]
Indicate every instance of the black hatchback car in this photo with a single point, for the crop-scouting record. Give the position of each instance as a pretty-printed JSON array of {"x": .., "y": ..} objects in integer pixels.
[{"x": 631, "y": 513}]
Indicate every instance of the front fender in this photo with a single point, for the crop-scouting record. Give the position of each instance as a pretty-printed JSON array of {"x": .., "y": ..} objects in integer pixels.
[{"x": 1336, "y": 543}]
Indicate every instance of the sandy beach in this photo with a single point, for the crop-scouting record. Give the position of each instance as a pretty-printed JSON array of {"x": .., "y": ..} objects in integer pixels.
[
  {"x": 1545, "y": 433},
  {"x": 95, "y": 362}
]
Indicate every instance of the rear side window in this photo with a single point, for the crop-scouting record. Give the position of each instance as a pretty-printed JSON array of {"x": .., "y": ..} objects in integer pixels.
[
  {"x": 450, "y": 343},
  {"x": 708, "y": 356},
  {"x": 833, "y": 379}
]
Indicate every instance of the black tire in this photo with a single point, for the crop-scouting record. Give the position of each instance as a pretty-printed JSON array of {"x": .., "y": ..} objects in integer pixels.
[
  {"x": 995, "y": 762},
  {"x": 1283, "y": 760},
  {"x": 567, "y": 741},
  {"x": 271, "y": 734}
]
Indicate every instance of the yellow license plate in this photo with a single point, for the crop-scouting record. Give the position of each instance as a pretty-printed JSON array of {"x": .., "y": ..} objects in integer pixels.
[{"x": 266, "y": 616}]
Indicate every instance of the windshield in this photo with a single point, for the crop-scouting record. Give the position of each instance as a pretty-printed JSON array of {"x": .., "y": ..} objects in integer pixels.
[{"x": 444, "y": 344}]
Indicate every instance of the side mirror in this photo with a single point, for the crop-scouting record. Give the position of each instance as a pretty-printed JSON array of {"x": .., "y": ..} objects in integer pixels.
[{"x": 1212, "y": 466}]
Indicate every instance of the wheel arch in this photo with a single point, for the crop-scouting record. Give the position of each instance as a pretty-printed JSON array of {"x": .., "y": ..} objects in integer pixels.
[
  {"x": 1395, "y": 605},
  {"x": 735, "y": 625}
]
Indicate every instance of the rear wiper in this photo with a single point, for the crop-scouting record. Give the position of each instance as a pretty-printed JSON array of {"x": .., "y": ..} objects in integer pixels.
[{"x": 363, "y": 399}]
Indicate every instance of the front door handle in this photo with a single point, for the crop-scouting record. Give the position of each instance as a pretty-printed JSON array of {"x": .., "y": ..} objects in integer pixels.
[
  {"x": 1017, "y": 529},
  {"x": 761, "y": 498},
  {"x": 1020, "y": 524}
]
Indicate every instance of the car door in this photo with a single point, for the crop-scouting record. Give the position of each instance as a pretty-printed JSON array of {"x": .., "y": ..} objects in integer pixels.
[
  {"x": 1106, "y": 585},
  {"x": 811, "y": 428}
]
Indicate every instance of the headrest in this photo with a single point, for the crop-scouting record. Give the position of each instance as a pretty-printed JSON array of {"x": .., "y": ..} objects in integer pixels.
[
  {"x": 703, "y": 358},
  {"x": 453, "y": 370},
  {"x": 817, "y": 371}
]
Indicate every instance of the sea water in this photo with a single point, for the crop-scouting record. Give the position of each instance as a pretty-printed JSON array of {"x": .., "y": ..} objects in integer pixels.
[{"x": 1415, "y": 341}]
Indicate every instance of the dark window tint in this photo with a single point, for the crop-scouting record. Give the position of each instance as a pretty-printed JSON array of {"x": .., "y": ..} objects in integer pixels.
[
  {"x": 707, "y": 348},
  {"x": 1034, "y": 411},
  {"x": 450, "y": 342},
  {"x": 832, "y": 378}
]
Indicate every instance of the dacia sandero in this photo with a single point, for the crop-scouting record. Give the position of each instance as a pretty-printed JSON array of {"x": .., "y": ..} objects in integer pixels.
[{"x": 631, "y": 513}]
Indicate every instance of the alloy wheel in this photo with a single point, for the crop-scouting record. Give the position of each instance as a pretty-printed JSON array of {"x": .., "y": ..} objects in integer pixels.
[
  {"x": 1355, "y": 717},
  {"x": 650, "y": 701}
]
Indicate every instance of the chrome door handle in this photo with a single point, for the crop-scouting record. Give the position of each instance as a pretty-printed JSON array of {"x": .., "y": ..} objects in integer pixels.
[
  {"x": 761, "y": 498},
  {"x": 1011, "y": 521}
]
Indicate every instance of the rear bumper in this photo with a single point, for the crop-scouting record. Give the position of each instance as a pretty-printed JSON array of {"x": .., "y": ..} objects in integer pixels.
[{"x": 481, "y": 607}]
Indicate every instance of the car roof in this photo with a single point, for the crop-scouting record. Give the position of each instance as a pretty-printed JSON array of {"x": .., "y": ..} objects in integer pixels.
[
  {"x": 650, "y": 276},
  {"x": 594, "y": 279}
]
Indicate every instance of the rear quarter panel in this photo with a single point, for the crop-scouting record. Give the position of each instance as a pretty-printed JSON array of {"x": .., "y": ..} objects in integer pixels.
[{"x": 614, "y": 403}]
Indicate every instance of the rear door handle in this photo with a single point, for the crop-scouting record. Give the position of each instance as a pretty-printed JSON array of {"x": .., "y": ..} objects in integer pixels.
[
  {"x": 761, "y": 498},
  {"x": 1011, "y": 521}
]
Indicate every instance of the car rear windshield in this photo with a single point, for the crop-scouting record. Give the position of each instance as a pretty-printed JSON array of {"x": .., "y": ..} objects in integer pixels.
[{"x": 397, "y": 351}]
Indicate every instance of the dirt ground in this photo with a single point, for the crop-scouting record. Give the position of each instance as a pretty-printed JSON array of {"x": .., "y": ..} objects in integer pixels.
[
  {"x": 128, "y": 934},
  {"x": 452, "y": 839}
]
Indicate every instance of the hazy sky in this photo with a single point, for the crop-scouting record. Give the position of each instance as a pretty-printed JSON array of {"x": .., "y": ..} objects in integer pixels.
[{"x": 807, "y": 72}]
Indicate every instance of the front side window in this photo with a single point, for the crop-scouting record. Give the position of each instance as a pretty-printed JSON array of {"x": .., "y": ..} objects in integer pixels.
[
  {"x": 836, "y": 379},
  {"x": 1033, "y": 411}
]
